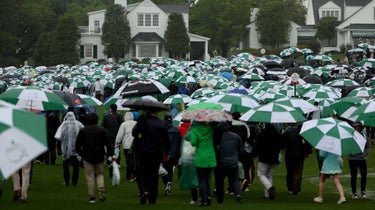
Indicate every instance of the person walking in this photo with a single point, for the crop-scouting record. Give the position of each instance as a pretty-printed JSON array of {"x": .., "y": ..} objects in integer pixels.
[
  {"x": 205, "y": 158},
  {"x": 53, "y": 124},
  {"x": 21, "y": 183},
  {"x": 111, "y": 122},
  {"x": 267, "y": 148},
  {"x": 358, "y": 162},
  {"x": 98, "y": 89},
  {"x": 174, "y": 153},
  {"x": 296, "y": 150},
  {"x": 67, "y": 134},
  {"x": 152, "y": 146},
  {"x": 331, "y": 168},
  {"x": 92, "y": 145},
  {"x": 229, "y": 149},
  {"x": 124, "y": 136}
]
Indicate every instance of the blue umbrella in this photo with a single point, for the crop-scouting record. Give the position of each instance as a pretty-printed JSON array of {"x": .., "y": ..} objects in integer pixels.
[{"x": 226, "y": 75}]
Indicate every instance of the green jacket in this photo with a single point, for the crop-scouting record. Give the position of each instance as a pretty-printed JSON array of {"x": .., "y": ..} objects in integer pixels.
[{"x": 202, "y": 138}]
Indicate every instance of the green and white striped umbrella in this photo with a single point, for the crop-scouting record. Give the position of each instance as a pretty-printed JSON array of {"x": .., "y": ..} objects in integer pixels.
[
  {"x": 367, "y": 63},
  {"x": 362, "y": 92},
  {"x": 306, "y": 51},
  {"x": 333, "y": 135},
  {"x": 269, "y": 96},
  {"x": 273, "y": 113},
  {"x": 298, "y": 104},
  {"x": 324, "y": 105},
  {"x": 177, "y": 99},
  {"x": 251, "y": 76},
  {"x": 343, "y": 104},
  {"x": 90, "y": 100},
  {"x": 79, "y": 82},
  {"x": 23, "y": 137},
  {"x": 205, "y": 91},
  {"x": 234, "y": 102},
  {"x": 342, "y": 83},
  {"x": 33, "y": 98},
  {"x": 186, "y": 79},
  {"x": 322, "y": 58},
  {"x": 321, "y": 94},
  {"x": 366, "y": 113}
]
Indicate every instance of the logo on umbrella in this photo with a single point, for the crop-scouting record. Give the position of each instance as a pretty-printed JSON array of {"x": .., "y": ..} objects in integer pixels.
[{"x": 15, "y": 152}]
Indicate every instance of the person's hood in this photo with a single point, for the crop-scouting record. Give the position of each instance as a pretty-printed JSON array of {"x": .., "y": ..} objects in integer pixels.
[
  {"x": 69, "y": 116},
  {"x": 128, "y": 116}
]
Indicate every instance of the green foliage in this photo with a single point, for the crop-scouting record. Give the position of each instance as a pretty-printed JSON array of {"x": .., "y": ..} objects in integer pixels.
[
  {"x": 65, "y": 41},
  {"x": 223, "y": 21},
  {"x": 176, "y": 37},
  {"x": 42, "y": 52},
  {"x": 116, "y": 32},
  {"x": 326, "y": 28},
  {"x": 273, "y": 23},
  {"x": 297, "y": 11},
  {"x": 315, "y": 46}
]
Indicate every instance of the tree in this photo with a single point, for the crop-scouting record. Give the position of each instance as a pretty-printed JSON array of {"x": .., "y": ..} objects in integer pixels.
[
  {"x": 64, "y": 44},
  {"x": 273, "y": 23},
  {"x": 326, "y": 29},
  {"x": 176, "y": 37},
  {"x": 42, "y": 51},
  {"x": 223, "y": 21},
  {"x": 116, "y": 32},
  {"x": 297, "y": 11}
]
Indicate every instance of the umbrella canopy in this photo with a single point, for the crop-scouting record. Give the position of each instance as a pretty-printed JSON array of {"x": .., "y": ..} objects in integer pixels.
[
  {"x": 362, "y": 92},
  {"x": 273, "y": 113},
  {"x": 177, "y": 99},
  {"x": 365, "y": 113},
  {"x": 233, "y": 102},
  {"x": 333, "y": 135},
  {"x": 342, "y": 83},
  {"x": 23, "y": 137},
  {"x": 206, "y": 112},
  {"x": 145, "y": 104},
  {"x": 33, "y": 98},
  {"x": 90, "y": 100},
  {"x": 298, "y": 104},
  {"x": 141, "y": 88},
  {"x": 343, "y": 104},
  {"x": 321, "y": 57},
  {"x": 71, "y": 99}
]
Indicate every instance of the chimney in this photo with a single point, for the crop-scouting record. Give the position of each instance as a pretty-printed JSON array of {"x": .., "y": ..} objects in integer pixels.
[{"x": 123, "y": 3}]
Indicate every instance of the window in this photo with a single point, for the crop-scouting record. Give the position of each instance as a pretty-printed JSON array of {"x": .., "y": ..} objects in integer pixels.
[
  {"x": 155, "y": 19},
  {"x": 148, "y": 19},
  {"x": 147, "y": 50},
  {"x": 331, "y": 13},
  {"x": 88, "y": 51},
  {"x": 96, "y": 26},
  {"x": 140, "y": 19}
]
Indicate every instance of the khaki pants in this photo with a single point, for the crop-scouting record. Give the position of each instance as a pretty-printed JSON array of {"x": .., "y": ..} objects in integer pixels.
[
  {"x": 25, "y": 180},
  {"x": 92, "y": 172}
]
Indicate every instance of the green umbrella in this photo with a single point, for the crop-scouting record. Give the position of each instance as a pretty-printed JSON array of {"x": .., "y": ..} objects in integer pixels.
[
  {"x": 234, "y": 102},
  {"x": 273, "y": 113},
  {"x": 343, "y": 104},
  {"x": 90, "y": 100},
  {"x": 23, "y": 137},
  {"x": 177, "y": 99},
  {"x": 362, "y": 92},
  {"x": 33, "y": 98},
  {"x": 365, "y": 113},
  {"x": 333, "y": 135}
]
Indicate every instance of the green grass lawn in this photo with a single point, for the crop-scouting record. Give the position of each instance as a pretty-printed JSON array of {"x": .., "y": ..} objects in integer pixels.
[{"x": 47, "y": 192}]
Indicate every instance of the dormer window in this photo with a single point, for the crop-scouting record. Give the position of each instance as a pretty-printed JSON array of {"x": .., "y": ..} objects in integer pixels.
[
  {"x": 148, "y": 19},
  {"x": 331, "y": 13}
]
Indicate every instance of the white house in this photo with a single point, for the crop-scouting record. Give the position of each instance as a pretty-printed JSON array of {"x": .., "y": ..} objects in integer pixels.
[
  {"x": 356, "y": 22},
  {"x": 148, "y": 23}
]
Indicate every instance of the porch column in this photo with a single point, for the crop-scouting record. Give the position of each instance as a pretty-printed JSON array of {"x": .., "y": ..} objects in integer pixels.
[{"x": 206, "y": 56}]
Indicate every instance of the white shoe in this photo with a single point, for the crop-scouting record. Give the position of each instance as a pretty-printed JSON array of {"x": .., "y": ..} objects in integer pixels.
[
  {"x": 341, "y": 200},
  {"x": 318, "y": 200}
]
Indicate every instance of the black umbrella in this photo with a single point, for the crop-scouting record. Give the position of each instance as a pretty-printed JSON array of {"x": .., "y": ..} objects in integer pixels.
[
  {"x": 272, "y": 64},
  {"x": 145, "y": 104},
  {"x": 289, "y": 63},
  {"x": 142, "y": 88},
  {"x": 300, "y": 71},
  {"x": 312, "y": 79},
  {"x": 71, "y": 99}
]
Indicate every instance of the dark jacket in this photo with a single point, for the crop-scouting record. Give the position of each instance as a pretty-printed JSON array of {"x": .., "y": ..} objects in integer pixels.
[
  {"x": 112, "y": 122},
  {"x": 175, "y": 139},
  {"x": 90, "y": 144},
  {"x": 268, "y": 145},
  {"x": 295, "y": 146},
  {"x": 229, "y": 148},
  {"x": 151, "y": 135}
]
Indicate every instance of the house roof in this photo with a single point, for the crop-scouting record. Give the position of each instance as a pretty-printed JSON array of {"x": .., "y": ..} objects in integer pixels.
[
  {"x": 170, "y": 8},
  {"x": 357, "y": 3},
  {"x": 147, "y": 37},
  {"x": 318, "y": 3},
  {"x": 360, "y": 27}
]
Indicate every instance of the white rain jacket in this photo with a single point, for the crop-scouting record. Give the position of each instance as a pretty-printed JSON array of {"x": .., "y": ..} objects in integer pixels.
[
  {"x": 124, "y": 134},
  {"x": 67, "y": 134}
]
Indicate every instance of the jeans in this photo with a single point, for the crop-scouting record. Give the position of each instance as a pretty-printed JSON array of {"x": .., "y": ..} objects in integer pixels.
[
  {"x": 75, "y": 163},
  {"x": 265, "y": 172},
  {"x": 204, "y": 175}
]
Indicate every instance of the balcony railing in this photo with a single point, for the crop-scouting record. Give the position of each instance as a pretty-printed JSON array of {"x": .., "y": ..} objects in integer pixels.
[{"x": 90, "y": 30}]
